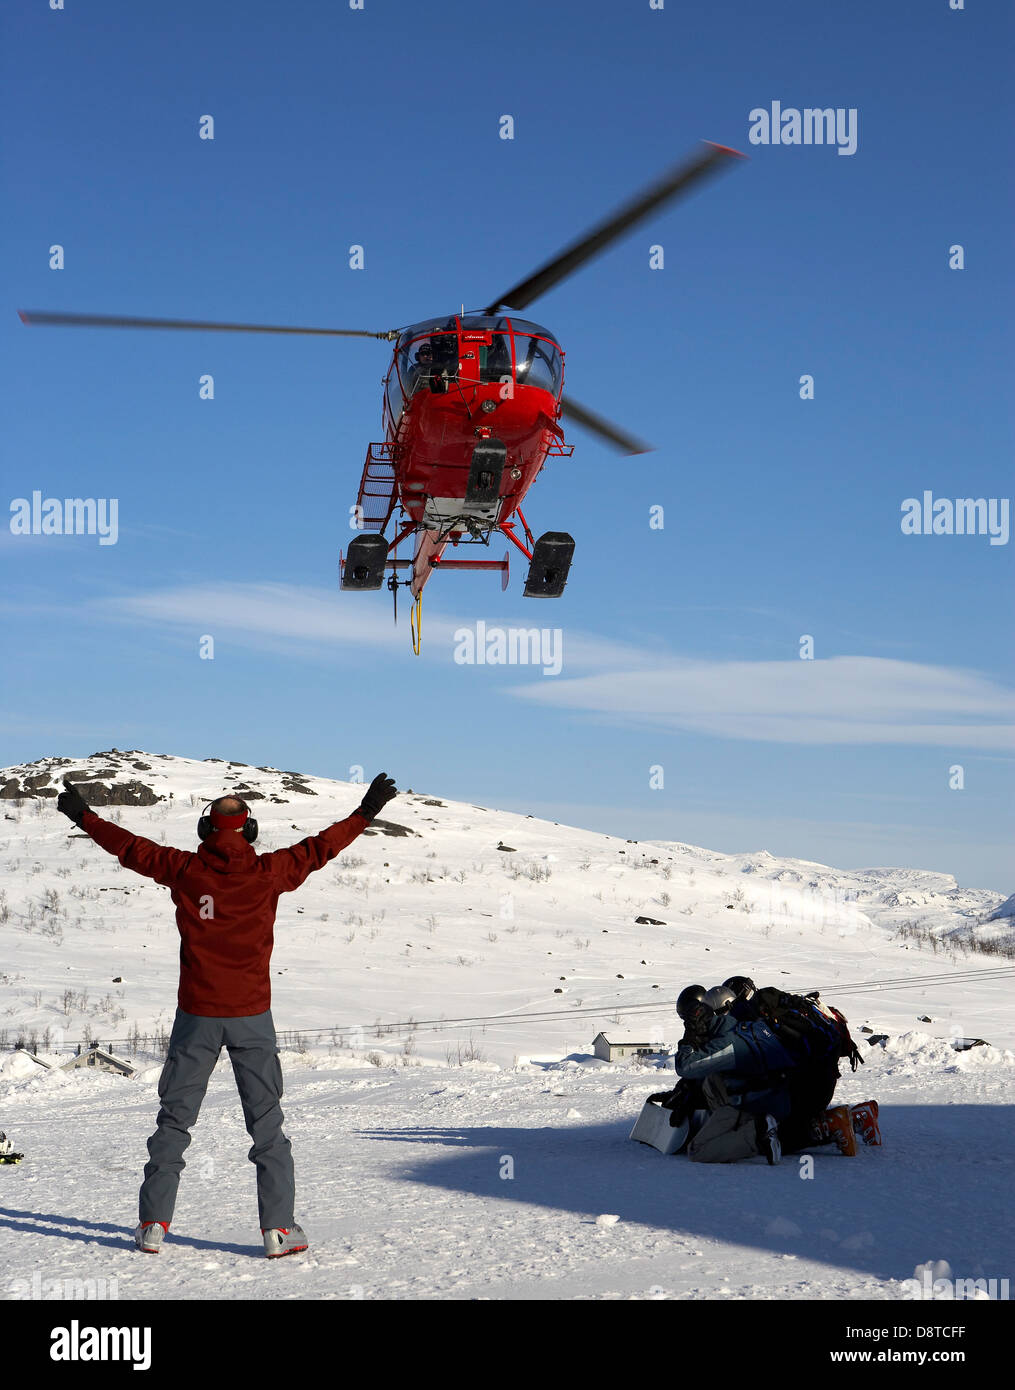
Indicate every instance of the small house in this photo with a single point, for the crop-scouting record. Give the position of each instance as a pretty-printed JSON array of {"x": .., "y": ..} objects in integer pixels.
[
  {"x": 622, "y": 1047},
  {"x": 39, "y": 1061},
  {"x": 102, "y": 1060}
]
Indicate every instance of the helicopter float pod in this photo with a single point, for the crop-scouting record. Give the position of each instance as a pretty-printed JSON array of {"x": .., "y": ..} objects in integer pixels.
[{"x": 472, "y": 405}]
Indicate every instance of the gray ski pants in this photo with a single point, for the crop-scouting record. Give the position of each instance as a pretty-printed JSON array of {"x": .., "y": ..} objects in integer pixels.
[
  {"x": 728, "y": 1134},
  {"x": 194, "y": 1048}
]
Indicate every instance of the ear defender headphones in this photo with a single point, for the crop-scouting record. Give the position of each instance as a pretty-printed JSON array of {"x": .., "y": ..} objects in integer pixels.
[{"x": 242, "y": 821}]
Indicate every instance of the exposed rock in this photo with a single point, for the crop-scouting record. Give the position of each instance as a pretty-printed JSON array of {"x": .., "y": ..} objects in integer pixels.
[
  {"x": 119, "y": 794},
  {"x": 649, "y": 922},
  {"x": 388, "y": 827}
]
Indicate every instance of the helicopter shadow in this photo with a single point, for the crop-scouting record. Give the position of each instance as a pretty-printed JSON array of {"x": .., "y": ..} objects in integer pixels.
[{"x": 939, "y": 1188}]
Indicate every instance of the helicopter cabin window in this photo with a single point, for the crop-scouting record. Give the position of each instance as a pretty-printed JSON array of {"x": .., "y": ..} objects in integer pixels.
[
  {"x": 538, "y": 363},
  {"x": 495, "y": 358},
  {"x": 395, "y": 396},
  {"x": 423, "y": 358}
]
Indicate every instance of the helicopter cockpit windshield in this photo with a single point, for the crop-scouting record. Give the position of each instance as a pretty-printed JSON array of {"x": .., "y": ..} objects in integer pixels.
[
  {"x": 537, "y": 363},
  {"x": 478, "y": 348},
  {"x": 426, "y": 351}
]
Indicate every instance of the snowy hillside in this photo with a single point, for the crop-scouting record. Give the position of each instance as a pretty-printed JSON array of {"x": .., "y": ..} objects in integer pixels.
[
  {"x": 457, "y": 912},
  {"x": 438, "y": 987}
]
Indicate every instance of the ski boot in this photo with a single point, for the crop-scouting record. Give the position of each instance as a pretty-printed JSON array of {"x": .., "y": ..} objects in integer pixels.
[
  {"x": 865, "y": 1121},
  {"x": 150, "y": 1235},
  {"x": 768, "y": 1139},
  {"x": 837, "y": 1125},
  {"x": 282, "y": 1240}
]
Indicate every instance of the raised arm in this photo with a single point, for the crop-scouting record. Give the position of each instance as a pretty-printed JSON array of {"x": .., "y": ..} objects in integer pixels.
[
  {"x": 291, "y": 867},
  {"x": 134, "y": 852}
]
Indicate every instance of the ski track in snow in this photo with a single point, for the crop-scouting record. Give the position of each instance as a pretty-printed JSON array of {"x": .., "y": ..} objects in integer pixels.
[{"x": 399, "y": 1166}]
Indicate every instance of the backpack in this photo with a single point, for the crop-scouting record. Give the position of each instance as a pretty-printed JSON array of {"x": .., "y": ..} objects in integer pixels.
[{"x": 810, "y": 1030}]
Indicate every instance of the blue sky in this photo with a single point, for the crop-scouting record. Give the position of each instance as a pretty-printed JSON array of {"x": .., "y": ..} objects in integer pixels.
[{"x": 782, "y": 516}]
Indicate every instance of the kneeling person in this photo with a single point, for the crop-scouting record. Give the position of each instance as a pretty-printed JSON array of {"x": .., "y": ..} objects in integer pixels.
[{"x": 742, "y": 1070}]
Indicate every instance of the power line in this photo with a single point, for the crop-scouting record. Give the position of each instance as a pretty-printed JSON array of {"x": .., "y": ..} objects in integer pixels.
[{"x": 982, "y": 974}]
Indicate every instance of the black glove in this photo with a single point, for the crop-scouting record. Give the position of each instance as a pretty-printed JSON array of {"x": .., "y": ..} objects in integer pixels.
[
  {"x": 679, "y": 1102},
  {"x": 687, "y": 1098},
  {"x": 379, "y": 793},
  {"x": 72, "y": 804}
]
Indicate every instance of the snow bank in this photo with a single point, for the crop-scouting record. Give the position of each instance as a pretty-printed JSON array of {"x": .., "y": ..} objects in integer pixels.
[{"x": 908, "y": 1051}]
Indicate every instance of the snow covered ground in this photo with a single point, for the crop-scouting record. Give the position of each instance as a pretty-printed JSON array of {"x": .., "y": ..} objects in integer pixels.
[
  {"x": 493, "y": 1183},
  {"x": 433, "y": 1160}
]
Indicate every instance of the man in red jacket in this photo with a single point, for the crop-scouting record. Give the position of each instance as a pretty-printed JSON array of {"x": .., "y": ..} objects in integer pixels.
[{"x": 226, "y": 896}]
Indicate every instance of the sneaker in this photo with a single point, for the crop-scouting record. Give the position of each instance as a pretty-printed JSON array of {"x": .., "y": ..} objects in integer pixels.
[
  {"x": 865, "y": 1121},
  {"x": 768, "y": 1139},
  {"x": 150, "y": 1235},
  {"x": 281, "y": 1240},
  {"x": 837, "y": 1125}
]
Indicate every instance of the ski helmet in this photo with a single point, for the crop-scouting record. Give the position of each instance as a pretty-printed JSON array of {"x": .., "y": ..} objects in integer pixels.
[
  {"x": 741, "y": 986},
  {"x": 689, "y": 1001},
  {"x": 718, "y": 999}
]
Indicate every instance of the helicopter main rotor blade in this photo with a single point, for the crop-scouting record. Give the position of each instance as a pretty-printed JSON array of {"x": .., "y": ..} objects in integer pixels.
[
  {"x": 32, "y": 316},
  {"x": 613, "y": 434},
  {"x": 678, "y": 180}
]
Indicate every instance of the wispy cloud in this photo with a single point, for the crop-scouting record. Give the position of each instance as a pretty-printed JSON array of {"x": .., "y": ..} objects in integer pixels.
[
  {"x": 322, "y": 621},
  {"x": 845, "y": 699}
]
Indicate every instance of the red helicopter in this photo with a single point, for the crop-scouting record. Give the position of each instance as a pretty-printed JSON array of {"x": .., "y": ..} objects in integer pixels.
[{"x": 472, "y": 404}]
